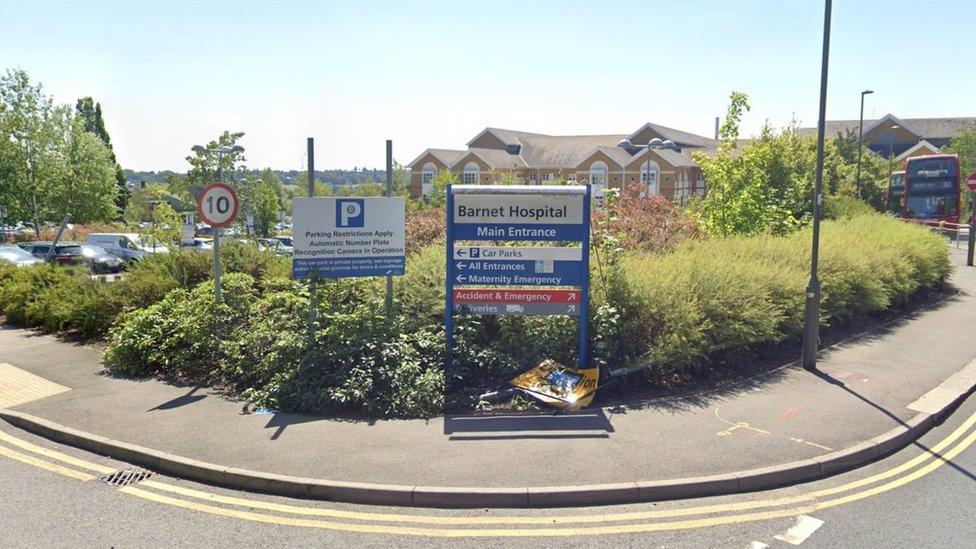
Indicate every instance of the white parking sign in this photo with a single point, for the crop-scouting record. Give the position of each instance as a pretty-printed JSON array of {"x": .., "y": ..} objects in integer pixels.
[{"x": 345, "y": 237}]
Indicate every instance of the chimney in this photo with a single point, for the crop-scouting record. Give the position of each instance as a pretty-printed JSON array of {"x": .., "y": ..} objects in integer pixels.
[{"x": 716, "y": 128}]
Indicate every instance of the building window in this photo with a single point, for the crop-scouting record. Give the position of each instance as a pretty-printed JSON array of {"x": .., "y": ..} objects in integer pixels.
[
  {"x": 427, "y": 177},
  {"x": 701, "y": 184},
  {"x": 546, "y": 176},
  {"x": 650, "y": 172},
  {"x": 471, "y": 173}
]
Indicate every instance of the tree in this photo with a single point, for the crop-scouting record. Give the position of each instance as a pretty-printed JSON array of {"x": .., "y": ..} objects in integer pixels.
[
  {"x": 964, "y": 145},
  {"x": 91, "y": 114},
  {"x": 88, "y": 189},
  {"x": 203, "y": 164},
  {"x": 34, "y": 131},
  {"x": 767, "y": 186},
  {"x": 268, "y": 200},
  {"x": 150, "y": 205}
]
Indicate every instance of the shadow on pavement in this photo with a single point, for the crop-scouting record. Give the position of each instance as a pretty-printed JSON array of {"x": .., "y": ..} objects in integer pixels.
[
  {"x": 181, "y": 401},
  {"x": 566, "y": 425},
  {"x": 281, "y": 420}
]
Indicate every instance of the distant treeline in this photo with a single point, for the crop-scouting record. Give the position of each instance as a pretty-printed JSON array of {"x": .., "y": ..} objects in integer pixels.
[{"x": 287, "y": 177}]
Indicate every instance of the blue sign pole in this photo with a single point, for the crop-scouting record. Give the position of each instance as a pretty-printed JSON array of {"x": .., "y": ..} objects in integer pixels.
[
  {"x": 584, "y": 318},
  {"x": 449, "y": 290}
]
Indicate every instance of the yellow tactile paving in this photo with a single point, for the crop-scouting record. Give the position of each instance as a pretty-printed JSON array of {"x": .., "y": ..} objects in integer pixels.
[{"x": 19, "y": 386}]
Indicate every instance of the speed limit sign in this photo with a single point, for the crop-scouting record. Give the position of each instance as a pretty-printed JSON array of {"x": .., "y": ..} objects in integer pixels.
[{"x": 217, "y": 205}]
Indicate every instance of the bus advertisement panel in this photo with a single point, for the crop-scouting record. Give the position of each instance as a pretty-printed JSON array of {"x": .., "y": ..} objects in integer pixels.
[{"x": 932, "y": 188}]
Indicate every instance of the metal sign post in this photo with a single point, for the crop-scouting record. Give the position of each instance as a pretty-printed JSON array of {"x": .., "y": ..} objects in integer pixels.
[
  {"x": 526, "y": 213},
  {"x": 389, "y": 194},
  {"x": 217, "y": 207},
  {"x": 971, "y": 240}
]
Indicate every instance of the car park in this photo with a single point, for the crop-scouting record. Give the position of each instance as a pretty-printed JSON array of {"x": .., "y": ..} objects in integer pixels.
[
  {"x": 17, "y": 256},
  {"x": 127, "y": 246},
  {"x": 72, "y": 253}
]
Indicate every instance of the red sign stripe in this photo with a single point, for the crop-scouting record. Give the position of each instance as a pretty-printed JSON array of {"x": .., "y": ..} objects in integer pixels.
[{"x": 494, "y": 295}]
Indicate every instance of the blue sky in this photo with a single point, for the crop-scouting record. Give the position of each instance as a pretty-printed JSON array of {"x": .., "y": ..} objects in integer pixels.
[{"x": 433, "y": 74}]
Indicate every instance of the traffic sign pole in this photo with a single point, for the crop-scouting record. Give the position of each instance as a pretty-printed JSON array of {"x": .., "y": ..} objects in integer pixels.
[
  {"x": 584, "y": 318},
  {"x": 971, "y": 183},
  {"x": 449, "y": 298}
]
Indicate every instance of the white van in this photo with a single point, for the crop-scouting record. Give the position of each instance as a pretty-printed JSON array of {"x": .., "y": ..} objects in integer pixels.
[{"x": 128, "y": 246}]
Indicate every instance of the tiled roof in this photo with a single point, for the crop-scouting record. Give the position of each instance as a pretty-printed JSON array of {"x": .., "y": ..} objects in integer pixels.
[
  {"x": 446, "y": 156},
  {"x": 678, "y": 136},
  {"x": 930, "y": 128},
  {"x": 496, "y": 158},
  {"x": 562, "y": 151}
]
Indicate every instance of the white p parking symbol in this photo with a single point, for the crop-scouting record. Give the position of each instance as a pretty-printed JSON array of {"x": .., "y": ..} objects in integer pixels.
[{"x": 349, "y": 213}]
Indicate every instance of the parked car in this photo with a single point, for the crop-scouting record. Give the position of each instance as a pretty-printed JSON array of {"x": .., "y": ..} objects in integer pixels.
[
  {"x": 17, "y": 256},
  {"x": 127, "y": 246},
  {"x": 200, "y": 244},
  {"x": 71, "y": 253},
  {"x": 100, "y": 261},
  {"x": 65, "y": 253},
  {"x": 278, "y": 245}
]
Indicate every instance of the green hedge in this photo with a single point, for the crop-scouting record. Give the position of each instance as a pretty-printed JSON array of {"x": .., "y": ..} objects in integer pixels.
[
  {"x": 667, "y": 309},
  {"x": 738, "y": 291}
]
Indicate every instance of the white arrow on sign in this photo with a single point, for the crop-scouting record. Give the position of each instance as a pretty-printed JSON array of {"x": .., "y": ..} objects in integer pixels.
[
  {"x": 572, "y": 309},
  {"x": 460, "y": 279},
  {"x": 461, "y": 265}
]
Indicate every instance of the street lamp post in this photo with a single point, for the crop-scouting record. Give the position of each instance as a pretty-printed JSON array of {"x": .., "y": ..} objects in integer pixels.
[
  {"x": 653, "y": 144},
  {"x": 221, "y": 151},
  {"x": 811, "y": 316},
  {"x": 860, "y": 138}
]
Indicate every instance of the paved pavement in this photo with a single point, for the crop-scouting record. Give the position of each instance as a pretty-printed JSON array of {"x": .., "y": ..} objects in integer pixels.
[
  {"x": 785, "y": 416},
  {"x": 922, "y": 496}
]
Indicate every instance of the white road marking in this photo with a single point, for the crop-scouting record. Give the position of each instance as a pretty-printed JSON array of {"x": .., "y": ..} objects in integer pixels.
[
  {"x": 758, "y": 545},
  {"x": 799, "y": 532}
]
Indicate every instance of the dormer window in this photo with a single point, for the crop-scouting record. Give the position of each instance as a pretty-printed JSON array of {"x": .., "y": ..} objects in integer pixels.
[{"x": 513, "y": 149}]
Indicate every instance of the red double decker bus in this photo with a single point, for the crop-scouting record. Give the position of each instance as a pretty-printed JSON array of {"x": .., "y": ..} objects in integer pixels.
[
  {"x": 932, "y": 189},
  {"x": 894, "y": 193}
]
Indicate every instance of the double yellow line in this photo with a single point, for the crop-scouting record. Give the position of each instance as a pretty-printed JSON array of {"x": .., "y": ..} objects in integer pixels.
[{"x": 260, "y": 511}]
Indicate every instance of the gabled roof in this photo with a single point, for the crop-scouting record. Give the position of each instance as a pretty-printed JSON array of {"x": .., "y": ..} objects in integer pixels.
[
  {"x": 508, "y": 137},
  {"x": 447, "y": 156},
  {"x": 890, "y": 118},
  {"x": 915, "y": 148},
  {"x": 618, "y": 155},
  {"x": 682, "y": 138},
  {"x": 563, "y": 151},
  {"x": 927, "y": 128},
  {"x": 495, "y": 158}
]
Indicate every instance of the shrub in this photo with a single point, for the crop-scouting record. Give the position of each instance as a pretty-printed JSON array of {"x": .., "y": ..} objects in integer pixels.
[
  {"x": 29, "y": 294},
  {"x": 180, "y": 337},
  {"x": 843, "y": 207},
  {"x": 735, "y": 292},
  {"x": 425, "y": 226},
  {"x": 644, "y": 224}
]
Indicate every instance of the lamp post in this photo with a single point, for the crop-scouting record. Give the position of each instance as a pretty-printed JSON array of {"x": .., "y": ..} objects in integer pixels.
[
  {"x": 653, "y": 144},
  {"x": 811, "y": 313},
  {"x": 221, "y": 151},
  {"x": 860, "y": 138}
]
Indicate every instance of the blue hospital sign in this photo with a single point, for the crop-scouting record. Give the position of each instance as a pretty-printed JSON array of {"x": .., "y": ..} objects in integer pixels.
[
  {"x": 345, "y": 237},
  {"x": 508, "y": 278}
]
